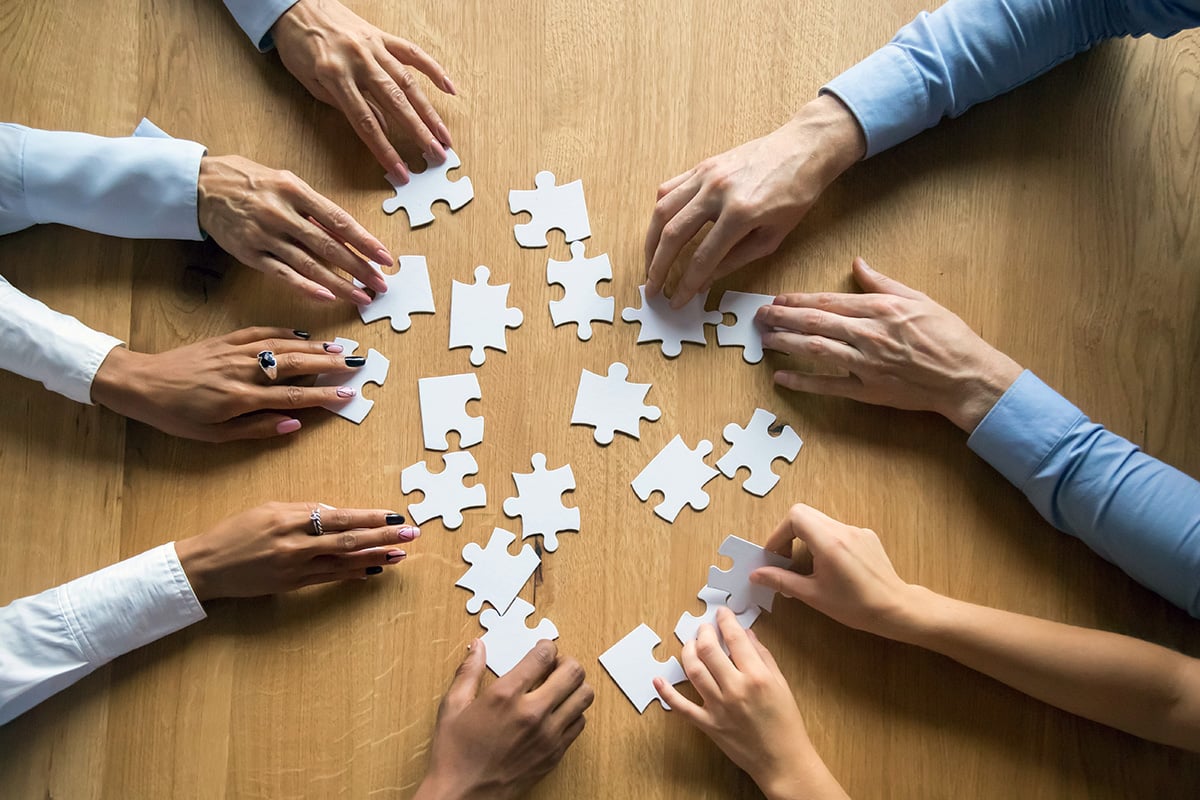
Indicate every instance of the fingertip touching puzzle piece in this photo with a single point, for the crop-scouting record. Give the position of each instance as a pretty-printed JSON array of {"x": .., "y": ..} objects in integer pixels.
[
  {"x": 426, "y": 188},
  {"x": 679, "y": 472},
  {"x": 539, "y": 502},
  {"x": 496, "y": 576},
  {"x": 445, "y": 493},
  {"x": 755, "y": 448},
  {"x": 672, "y": 327},
  {"x": 509, "y": 638},
  {"x": 632, "y": 666},
  {"x": 374, "y": 371},
  {"x": 688, "y": 626},
  {"x": 746, "y": 557},
  {"x": 745, "y": 332},
  {"x": 408, "y": 293},
  {"x": 551, "y": 207},
  {"x": 480, "y": 316},
  {"x": 443, "y": 403},
  {"x": 612, "y": 403},
  {"x": 580, "y": 303}
]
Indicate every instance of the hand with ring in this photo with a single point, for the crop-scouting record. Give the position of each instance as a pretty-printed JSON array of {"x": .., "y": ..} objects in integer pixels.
[
  {"x": 238, "y": 386},
  {"x": 272, "y": 549}
]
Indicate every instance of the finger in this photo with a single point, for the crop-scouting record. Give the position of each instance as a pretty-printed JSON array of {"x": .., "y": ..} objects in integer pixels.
[
  {"x": 465, "y": 686},
  {"x": 811, "y": 321},
  {"x": 805, "y": 523},
  {"x": 346, "y": 519},
  {"x": 341, "y": 575},
  {"x": 378, "y": 557},
  {"x": 676, "y": 233},
  {"x": 259, "y": 333},
  {"x": 698, "y": 674},
  {"x": 294, "y": 365},
  {"x": 848, "y": 305},
  {"x": 831, "y": 385},
  {"x": 873, "y": 281},
  {"x": 760, "y": 243},
  {"x": 531, "y": 670},
  {"x": 741, "y": 651},
  {"x": 317, "y": 239},
  {"x": 367, "y": 126},
  {"x": 711, "y": 654},
  {"x": 690, "y": 711},
  {"x": 394, "y": 94},
  {"x": 826, "y": 351},
  {"x": 764, "y": 654},
  {"x": 665, "y": 210},
  {"x": 342, "y": 227},
  {"x": 432, "y": 133},
  {"x": 667, "y": 187},
  {"x": 287, "y": 398},
  {"x": 408, "y": 53},
  {"x": 254, "y": 426},
  {"x": 566, "y": 678},
  {"x": 305, "y": 263},
  {"x": 572, "y": 733},
  {"x": 572, "y": 708},
  {"x": 786, "y": 582},
  {"x": 728, "y": 231},
  {"x": 268, "y": 264},
  {"x": 343, "y": 542}
]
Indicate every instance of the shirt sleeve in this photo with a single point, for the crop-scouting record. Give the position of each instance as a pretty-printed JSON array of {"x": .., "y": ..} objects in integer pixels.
[
  {"x": 969, "y": 51},
  {"x": 1135, "y": 511},
  {"x": 51, "y": 640},
  {"x": 137, "y": 188},
  {"x": 256, "y": 17}
]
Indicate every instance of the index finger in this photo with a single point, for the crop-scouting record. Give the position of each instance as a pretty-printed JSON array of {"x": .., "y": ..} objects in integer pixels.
[
  {"x": 744, "y": 656},
  {"x": 345, "y": 519},
  {"x": 338, "y": 223},
  {"x": 848, "y": 305},
  {"x": 531, "y": 670},
  {"x": 367, "y": 126},
  {"x": 802, "y": 522},
  {"x": 719, "y": 241}
]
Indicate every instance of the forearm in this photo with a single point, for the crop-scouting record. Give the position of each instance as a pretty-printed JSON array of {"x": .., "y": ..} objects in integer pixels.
[{"x": 805, "y": 778}]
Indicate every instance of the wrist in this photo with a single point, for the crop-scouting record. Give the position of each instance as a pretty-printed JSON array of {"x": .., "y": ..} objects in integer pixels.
[
  {"x": 196, "y": 561},
  {"x": 115, "y": 382},
  {"x": 802, "y": 777},
  {"x": 917, "y": 617},
  {"x": 296, "y": 19},
  {"x": 981, "y": 391},
  {"x": 436, "y": 786},
  {"x": 831, "y": 135}
]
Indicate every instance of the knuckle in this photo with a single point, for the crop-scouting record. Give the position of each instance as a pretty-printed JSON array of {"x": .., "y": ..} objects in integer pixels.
[
  {"x": 348, "y": 541},
  {"x": 574, "y": 671},
  {"x": 295, "y": 396},
  {"x": 545, "y": 653},
  {"x": 341, "y": 518},
  {"x": 528, "y": 719},
  {"x": 406, "y": 82},
  {"x": 292, "y": 362},
  {"x": 365, "y": 122}
]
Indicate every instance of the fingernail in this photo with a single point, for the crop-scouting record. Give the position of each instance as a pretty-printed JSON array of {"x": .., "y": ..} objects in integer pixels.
[
  {"x": 408, "y": 533},
  {"x": 448, "y": 85},
  {"x": 393, "y": 519},
  {"x": 384, "y": 257},
  {"x": 436, "y": 151},
  {"x": 288, "y": 426},
  {"x": 322, "y": 293},
  {"x": 332, "y": 347},
  {"x": 396, "y": 556},
  {"x": 374, "y": 570},
  {"x": 378, "y": 283},
  {"x": 865, "y": 265},
  {"x": 346, "y": 392},
  {"x": 400, "y": 172},
  {"x": 443, "y": 133},
  {"x": 301, "y": 334},
  {"x": 360, "y": 297},
  {"x": 355, "y": 361}
]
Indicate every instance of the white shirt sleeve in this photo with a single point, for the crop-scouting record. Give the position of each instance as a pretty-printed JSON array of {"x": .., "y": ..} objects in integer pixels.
[
  {"x": 256, "y": 17},
  {"x": 51, "y": 640}
]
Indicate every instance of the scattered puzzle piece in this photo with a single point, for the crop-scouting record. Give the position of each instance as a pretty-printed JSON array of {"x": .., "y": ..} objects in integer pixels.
[
  {"x": 539, "y": 502},
  {"x": 444, "y": 409},
  {"x": 688, "y": 627},
  {"x": 745, "y": 332},
  {"x": 496, "y": 576},
  {"x": 480, "y": 315},
  {"x": 550, "y": 207},
  {"x": 408, "y": 293},
  {"x": 747, "y": 557},
  {"x": 374, "y": 371},
  {"x": 679, "y": 473},
  {"x": 755, "y": 448},
  {"x": 632, "y": 665},
  {"x": 508, "y": 638},
  {"x": 445, "y": 494},
  {"x": 661, "y": 323},
  {"x": 611, "y": 404},
  {"x": 580, "y": 303},
  {"x": 426, "y": 188}
]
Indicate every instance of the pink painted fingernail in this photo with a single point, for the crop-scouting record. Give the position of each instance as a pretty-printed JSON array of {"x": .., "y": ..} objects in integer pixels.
[
  {"x": 448, "y": 84},
  {"x": 288, "y": 426},
  {"x": 408, "y": 533},
  {"x": 384, "y": 257},
  {"x": 321, "y": 293},
  {"x": 443, "y": 134},
  {"x": 332, "y": 347},
  {"x": 360, "y": 297},
  {"x": 346, "y": 392},
  {"x": 396, "y": 556},
  {"x": 436, "y": 151},
  {"x": 400, "y": 172}
]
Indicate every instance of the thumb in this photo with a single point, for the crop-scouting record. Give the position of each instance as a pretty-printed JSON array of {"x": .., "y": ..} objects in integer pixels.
[
  {"x": 877, "y": 282},
  {"x": 465, "y": 685},
  {"x": 784, "y": 581}
]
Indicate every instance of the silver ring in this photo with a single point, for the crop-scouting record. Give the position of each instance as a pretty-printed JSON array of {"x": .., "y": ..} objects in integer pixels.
[
  {"x": 317, "y": 528},
  {"x": 267, "y": 363}
]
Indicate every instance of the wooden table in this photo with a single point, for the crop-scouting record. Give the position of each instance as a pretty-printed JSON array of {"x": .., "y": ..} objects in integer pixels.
[{"x": 1061, "y": 221}]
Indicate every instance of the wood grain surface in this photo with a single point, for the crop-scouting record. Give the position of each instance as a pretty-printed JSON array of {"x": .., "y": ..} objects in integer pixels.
[{"x": 1061, "y": 221}]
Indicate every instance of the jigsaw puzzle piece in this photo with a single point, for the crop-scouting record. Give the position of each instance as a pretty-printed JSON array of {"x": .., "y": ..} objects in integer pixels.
[
  {"x": 747, "y": 557},
  {"x": 550, "y": 207},
  {"x": 408, "y": 293},
  {"x": 745, "y": 332},
  {"x": 426, "y": 188},
  {"x": 580, "y": 303},
  {"x": 612, "y": 403},
  {"x": 688, "y": 627},
  {"x": 680, "y": 473},
  {"x": 632, "y": 666},
  {"x": 374, "y": 371},
  {"x": 672, "y": 327},
  {"x": 539, "y": 502},
  {"x": 755, "y": 448},
  {"x": 509, "y": 638},
  {"x": 496, "y": 576},
  {"x": 445, "y": 493},
  {"x": 444, "y": 408},
  {"x": 480, "y": 316}
]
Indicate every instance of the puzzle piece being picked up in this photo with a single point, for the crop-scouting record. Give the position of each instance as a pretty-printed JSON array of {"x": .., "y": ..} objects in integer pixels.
[
  {"x": 580, "y": 302},
  {"x": 755, "y": 448},
  {"x": 680, "y": 473},
  {"x": 496, "y": 576},
  {"x": 632, "y": 665},
  {"x": 426, "y": 188},
  {"x": 661, "y": 323},
  {"x": 509, "y": 638},
  {"x": 539, "y": 502},
  {"x": 374, "y": 371},
  {"x": 445, "y": 493},
  {"x": 747, "y": 557},
  {"x": 443, "y": 409},
  {"x": 408, "y": 293},
  {"x": 688, "y": 627},
  {"x": 612, "y": 403},
  {"x": 551, "y": 207},
  {"x": 480, "y": 315},
  {"x": 745, "y": 332}
]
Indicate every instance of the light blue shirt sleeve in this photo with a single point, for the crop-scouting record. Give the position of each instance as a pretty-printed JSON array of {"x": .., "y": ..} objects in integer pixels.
[
  {"x": 969, "y": 51},
  {"x": 256, "y": 17},
  {"x": 1134, "y": 510}
]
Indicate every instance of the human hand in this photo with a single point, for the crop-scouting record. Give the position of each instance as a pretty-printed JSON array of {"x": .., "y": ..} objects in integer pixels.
[
  {"x": 755, "y": 194},
  {"x": 271, "y": 549},
  {"x": 498, "y": 743},
  {"x": 749, "y": 712},
  {"x": 273, "y": 222},
  {"x": 215, "y": 391},
  {"x": 900, "y": 348},
  {"x": 358, "y": 69}
]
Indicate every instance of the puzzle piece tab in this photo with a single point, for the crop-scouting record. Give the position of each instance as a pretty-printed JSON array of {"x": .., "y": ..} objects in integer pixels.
[
  {"x": 539, "y": 502},
  {"x": 508, "y": 638},
  {"x": 445, "y": 493},
  {"x": 580, "y": 303},
  {"x": 679, "y": 472},
  {"x": 745, "y": 332},
  {"x": 426, "y": 188},
  {"x": 444, "y": 408},
  {"x": 374, "y": 371},
  {"x": 408, "y": 293},
  {"x": 496, "y": 576},
  {"x": 755, "y": 448},
  {"x": 632, "y": 665},
  {"x": 688, "y": 627},
  {"x": 747, "y": 557},
  {"x": 480, "y": 315},
  {"x": 551, "y": 207},
  {"x": 661, "y": 323},
  {"x": 612, "y": 403}
]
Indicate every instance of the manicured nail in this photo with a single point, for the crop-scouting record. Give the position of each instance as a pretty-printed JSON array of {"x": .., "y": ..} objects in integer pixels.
[
  {"x": 355, "y": 361},
  {"x": 443, "y": 133},
  {"x": 346, "y": 392},
  {"x": 360, "y": 297},
  {"x": 393, "y": 519},
  {"x": 374, "y": 570},
  {"x": 322, "y": 293},
  {"x": 448, "y": 85},
  {"x": 865, "y": 265},
  {"x": 396, "y": 556},
  {"x": 301, "y": 334},
  {"x": 436, "y": 151},
  {"x": 408, "y": 533},
  {"x": 384, "y": 257},
  {"x": 332, "y": 347},
  {"x": 400, "y": 172},
  {"x": 288, "y": 426}
]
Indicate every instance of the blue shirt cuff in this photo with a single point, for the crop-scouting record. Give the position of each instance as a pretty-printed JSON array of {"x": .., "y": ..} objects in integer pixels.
[
  {"x": 256, "y": 17},
  {"x": 886, "y": 94}
]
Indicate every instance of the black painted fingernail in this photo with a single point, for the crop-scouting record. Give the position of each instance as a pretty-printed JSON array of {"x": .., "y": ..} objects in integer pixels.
[
  {"x": 393, "y": 519},
  {"x": 355, "y": 361},
  {"x": 374, "y": 570},
  {"x": 301, "y": 334}
]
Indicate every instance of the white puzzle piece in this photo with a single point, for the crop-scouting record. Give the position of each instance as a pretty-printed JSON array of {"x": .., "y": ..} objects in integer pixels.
[
  {"x": 426, "y": 188},
  {"x": 679, "y": 473},
  {"x": 755, "y": 448},
  {"x": 747, "y": 557},
  {"x": 509, "y": 638},
  {"x": 612, "y": 403},
  {"x": 580, "y": 302},
  {"x": 445, "y": 494},
  {"x": 632, "y": 665},
  {"x": 745, "y": 332},
  {"x": 661, "y": 323},
  {"x": 374, "y": 371},
  {"x": 480, "y": 315},
  {"x": 539, "y": 502},
  {"x": 444, "y": 408},
  {"x": 688, "y": 627},
  {"x": 408, "y": 293},
  {"x": 496, "y": 576},
  {"x": 551, "y": 207}
]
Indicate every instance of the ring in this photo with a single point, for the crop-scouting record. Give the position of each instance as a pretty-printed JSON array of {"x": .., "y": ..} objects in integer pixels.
[
  {"x": 317, "y": 528},
  {"x": 266, "y": 362}
]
